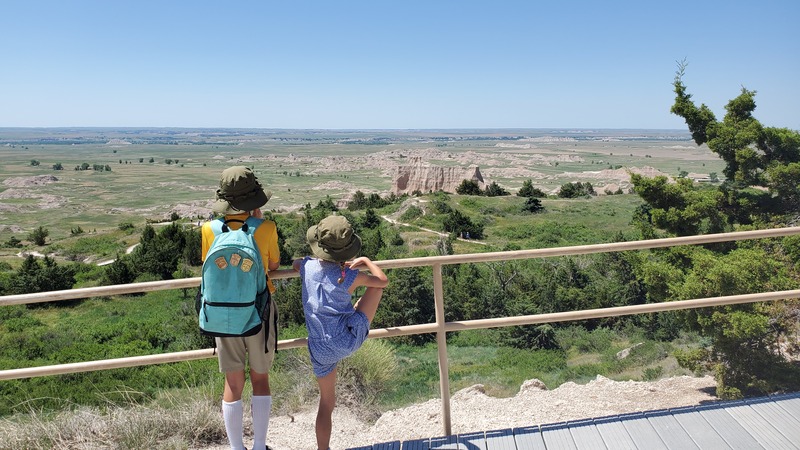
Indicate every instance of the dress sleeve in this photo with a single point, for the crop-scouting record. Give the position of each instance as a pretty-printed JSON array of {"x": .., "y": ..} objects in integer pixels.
[{"x": 349, "y": 277}]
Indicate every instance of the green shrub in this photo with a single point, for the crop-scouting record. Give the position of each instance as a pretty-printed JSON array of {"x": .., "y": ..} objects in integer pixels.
[
  {"x": 22, "y": 324},
  {"x": 582, "y": 340},
  {"x": 411, "y": 213},
  {"x": 692, "y": 359},
  {"x": 652, "y": 373},
  {"x": 468, "y": 187}
]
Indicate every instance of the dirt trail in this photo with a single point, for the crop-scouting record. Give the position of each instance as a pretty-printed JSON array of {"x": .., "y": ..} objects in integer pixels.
[{"x": 395, "y": 222}]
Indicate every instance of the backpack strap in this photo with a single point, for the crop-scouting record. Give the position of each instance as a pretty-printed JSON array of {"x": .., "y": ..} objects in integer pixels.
[
  {"x": 248, "y": 226},
  {"x": 218, "y": 226},
  {"x": 251, "y": 222}
]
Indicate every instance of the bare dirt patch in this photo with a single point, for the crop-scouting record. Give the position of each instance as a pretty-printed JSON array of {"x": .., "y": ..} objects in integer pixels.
[
  {"x": 473, "y": 410},
  {"x": 38, "y": 180}
]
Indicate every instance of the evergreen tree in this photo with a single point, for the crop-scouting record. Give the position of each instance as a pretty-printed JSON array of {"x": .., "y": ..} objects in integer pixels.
[
  {"x": 495, "y": 190},
  {"x": 358, "y": 201},
  {"x": 408, "y": 300},
  {"x": 527, "y": 190},
  {"x": 47, "y": 275},
  {"x": 468, "y": 187},
  {"x": 120, "y": 271},
  {"x": 754, "y": 155},
  {"x": 39, "y": 235},
  {"x": 533, "y": 205},
  {"x": 370, "y": 219},
  {"x": 458, "y": 223}
]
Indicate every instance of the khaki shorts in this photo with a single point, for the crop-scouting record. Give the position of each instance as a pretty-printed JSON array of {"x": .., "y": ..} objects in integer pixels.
[{"x": 235, "y": 351}]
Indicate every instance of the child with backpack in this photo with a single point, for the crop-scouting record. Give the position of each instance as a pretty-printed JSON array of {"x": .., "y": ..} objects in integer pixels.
[
  {"x": 336, "y": 327},
  {"x": 241, "y": 247}
]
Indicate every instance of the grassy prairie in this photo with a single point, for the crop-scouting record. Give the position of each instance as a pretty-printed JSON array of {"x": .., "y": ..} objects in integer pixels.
[{"x": 299, "y": 167}]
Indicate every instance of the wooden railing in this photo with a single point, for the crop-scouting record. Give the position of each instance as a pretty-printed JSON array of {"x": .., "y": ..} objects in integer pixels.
[{"x": 440, "y": 327}]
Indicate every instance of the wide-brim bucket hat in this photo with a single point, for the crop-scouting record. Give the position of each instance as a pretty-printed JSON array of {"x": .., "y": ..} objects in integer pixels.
[
  {"x": 239, "y": 191},
  {"x": 333, "y": 239}
]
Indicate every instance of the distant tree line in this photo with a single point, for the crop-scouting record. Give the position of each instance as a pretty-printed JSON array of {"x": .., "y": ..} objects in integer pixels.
[{"x": 95, "y": 167}]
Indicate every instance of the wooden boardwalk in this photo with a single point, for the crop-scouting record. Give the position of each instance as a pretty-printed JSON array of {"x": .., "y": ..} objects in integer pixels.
[{"x": 760, "y": 423}]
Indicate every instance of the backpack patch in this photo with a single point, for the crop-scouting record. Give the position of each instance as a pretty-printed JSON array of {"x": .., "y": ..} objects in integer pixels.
[{"x": 233, "y": 295}]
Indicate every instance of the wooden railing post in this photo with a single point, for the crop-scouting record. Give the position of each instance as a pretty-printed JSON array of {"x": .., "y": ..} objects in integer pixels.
[{"x": 441, "y": 344}]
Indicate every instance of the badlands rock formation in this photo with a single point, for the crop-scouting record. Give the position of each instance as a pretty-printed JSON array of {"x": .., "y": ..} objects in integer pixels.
[{"x": 420, "y": 176}]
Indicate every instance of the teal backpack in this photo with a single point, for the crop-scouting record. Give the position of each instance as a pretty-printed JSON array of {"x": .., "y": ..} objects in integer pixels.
[{"x": 233, "y": 298}]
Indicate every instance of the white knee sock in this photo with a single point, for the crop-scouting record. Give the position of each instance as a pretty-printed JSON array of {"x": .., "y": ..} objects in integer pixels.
[
  {"x": 232, "y": 414},
  {"x": 261, "y": 406}
]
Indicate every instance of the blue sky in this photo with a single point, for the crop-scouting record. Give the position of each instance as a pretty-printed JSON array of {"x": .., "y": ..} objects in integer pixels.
[{"x": 391, "y": 65}]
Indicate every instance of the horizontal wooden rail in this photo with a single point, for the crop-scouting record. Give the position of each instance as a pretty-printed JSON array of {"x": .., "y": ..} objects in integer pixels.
[
  {"x": 407, "y": 330},
  {"x": 118, "y": 289}
]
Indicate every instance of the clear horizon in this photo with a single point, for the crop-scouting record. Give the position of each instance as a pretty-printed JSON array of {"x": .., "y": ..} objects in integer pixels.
[{"x": 414, "y": 65}]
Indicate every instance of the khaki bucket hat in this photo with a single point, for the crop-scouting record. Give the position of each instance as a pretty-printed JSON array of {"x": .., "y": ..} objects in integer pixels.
[
  {"x": 239, "y": 191},
  {"x": 333, "y": 239}
]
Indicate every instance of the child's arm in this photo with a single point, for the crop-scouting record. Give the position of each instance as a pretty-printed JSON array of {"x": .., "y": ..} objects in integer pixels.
[
  {"x": 296, "y": 264},
  {"x": 375, "y": 279}
]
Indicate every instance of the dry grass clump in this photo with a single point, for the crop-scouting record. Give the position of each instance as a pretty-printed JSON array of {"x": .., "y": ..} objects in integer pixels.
[
  {"x": 360, "y": 379},
  {"x": 172, "y": 422},
  {"x": 192, "y": 417}
]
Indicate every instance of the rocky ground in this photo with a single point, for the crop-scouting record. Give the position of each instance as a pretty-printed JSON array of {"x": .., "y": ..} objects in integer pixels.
[{"x": 473, "y": 410}]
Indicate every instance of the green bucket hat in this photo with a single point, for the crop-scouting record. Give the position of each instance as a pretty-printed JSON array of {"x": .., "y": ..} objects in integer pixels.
[
  {"x": 239, "y": 191},
  {"x": 333, "y": 239}
]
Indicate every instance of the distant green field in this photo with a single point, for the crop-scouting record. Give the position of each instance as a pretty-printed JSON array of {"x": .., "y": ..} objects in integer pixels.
[{"x": 155, "y": 173}]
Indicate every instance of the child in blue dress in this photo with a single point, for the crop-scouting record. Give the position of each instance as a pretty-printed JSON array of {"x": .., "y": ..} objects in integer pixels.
[{"x": 336, "y": 327}]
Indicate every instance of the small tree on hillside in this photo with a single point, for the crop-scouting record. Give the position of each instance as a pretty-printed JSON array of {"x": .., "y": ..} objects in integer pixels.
[
  {"x": 458, "y": 223},
  {"x": 533, "y": 205},
  {"x": 38, "y": 236},
  {"x": 468, "y": 187},
  {"x": 370, "y": 219},
  {"x": 527, "y": 190},
  {"x": 495, "y": 190},
  {"x": 41, "y": 276}
]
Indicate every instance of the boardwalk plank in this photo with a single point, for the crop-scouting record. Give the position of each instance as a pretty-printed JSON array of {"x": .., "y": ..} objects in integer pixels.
[
  {"x": 445, "y": 443},
  {"x": 473, "y": 441},
  {"x": 558, "y": 436},
  {"x": 500, "y": 440},
  {"x": 585, "y": 434},
  {"x": 728, "y": 428},
  {"x": 696, "y": 426},
  {"x": 772, "y": 411},
  {"x": 763, "y": 431},
  {"x": 791, "y": 404},
  {"x": 670, "y": 431},
  {"x": 417, "y": 444},
  {"x": 642, "y": 432},
  {"x": 614, "y": 433},
  {"x": 529, "y": 438}
]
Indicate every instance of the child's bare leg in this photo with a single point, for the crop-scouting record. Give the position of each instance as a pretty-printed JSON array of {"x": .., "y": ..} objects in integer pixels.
[
  {"x": 327, "y": 401},
  {"x": 368, "y": 303}
]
